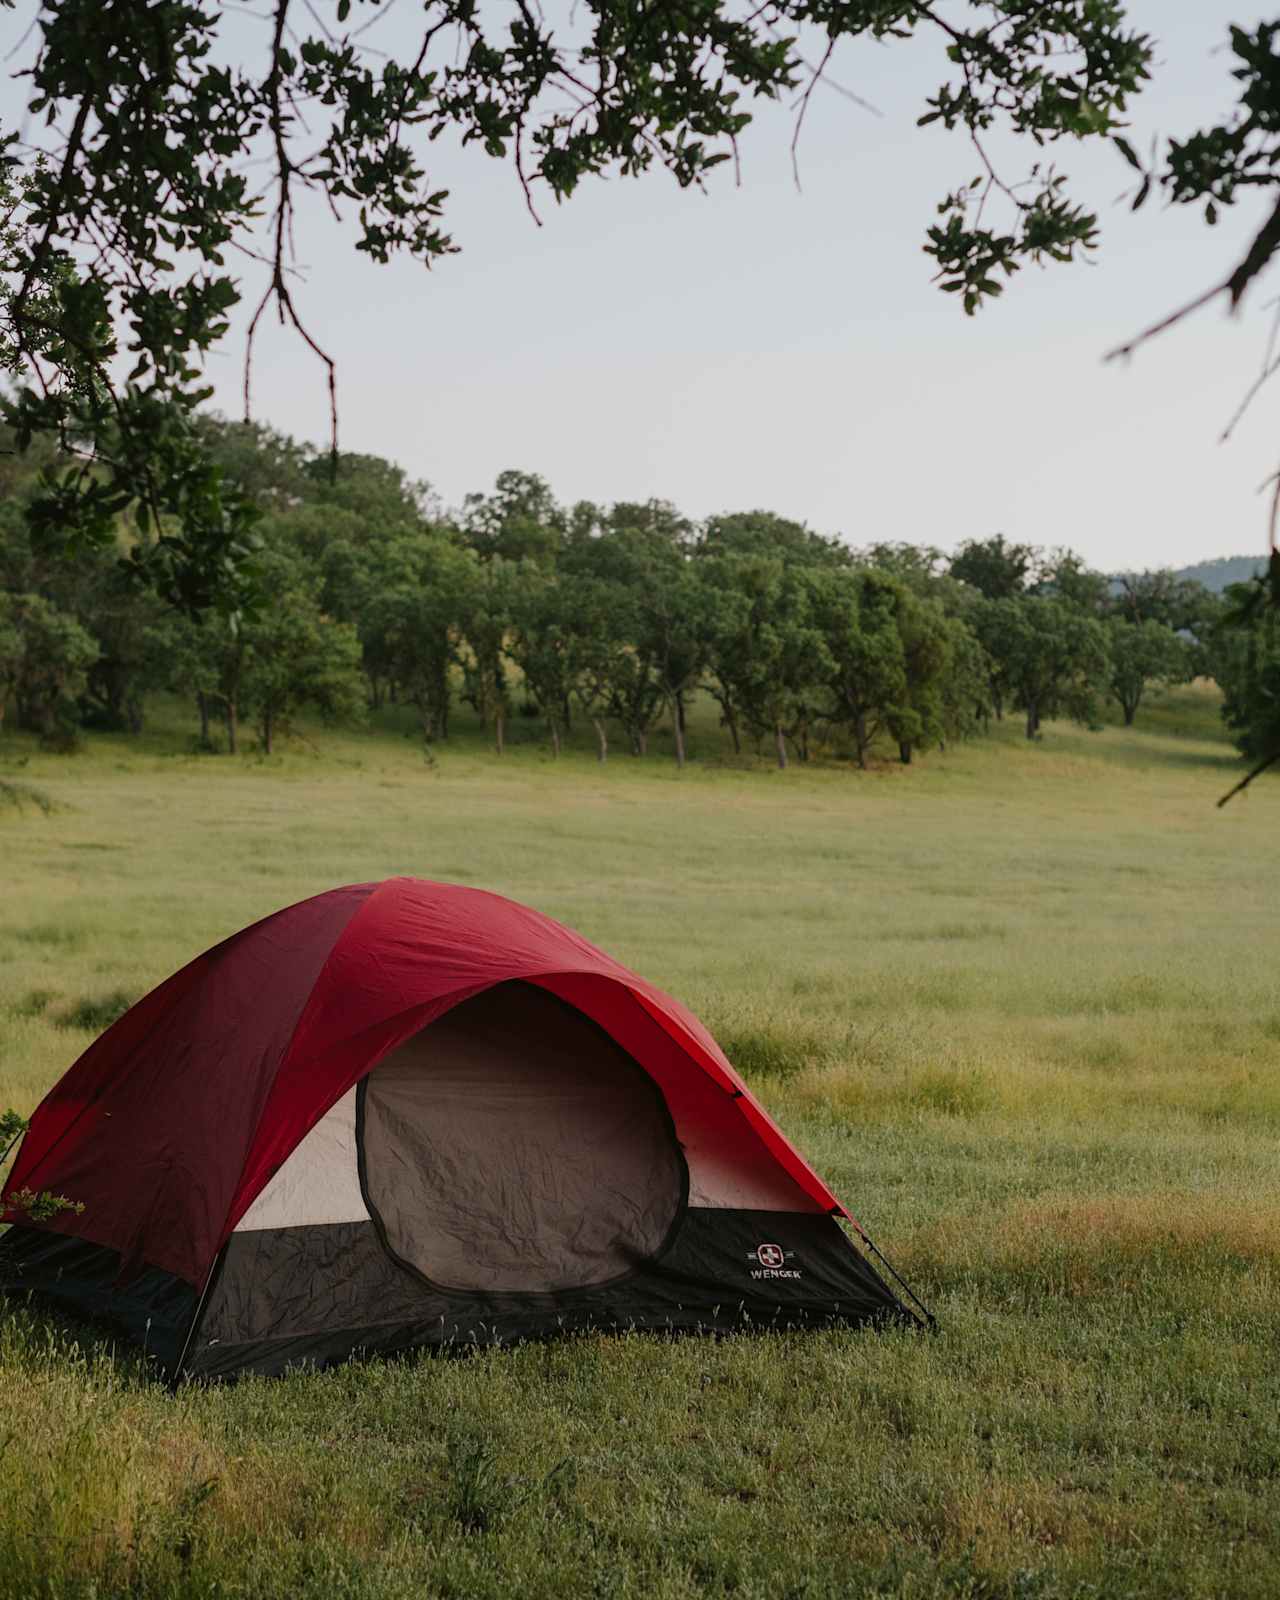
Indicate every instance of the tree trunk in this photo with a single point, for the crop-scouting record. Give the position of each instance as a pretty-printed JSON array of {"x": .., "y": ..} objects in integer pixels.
[
  {"x": 731, "y": 722},
  {"x": 860, "y": 738},
  {"x": 1130, "y": 709},
  {"x": 677, "y": 727},
  {"x": 555, "y": 735},
  {"x": 268, "y": 724},
  {"x": 1033, "y": 720},
  {"x": 780, "y": 740},
  {"x": 680, "y": 711},
  {"x": 233, "y": 723},
  {"x": 499, "y": 729},
  {"x": 904, "y": 752},
  {"x": 602, "y": 738},
  {"x": 202, "y": 705}
]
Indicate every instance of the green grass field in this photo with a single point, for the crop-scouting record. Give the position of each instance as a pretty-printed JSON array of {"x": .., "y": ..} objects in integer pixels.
[{"x": 1019, "y": 1005}]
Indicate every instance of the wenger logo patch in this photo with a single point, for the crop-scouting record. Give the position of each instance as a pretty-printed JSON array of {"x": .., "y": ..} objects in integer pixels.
[{"x": 770, "y": 1262}]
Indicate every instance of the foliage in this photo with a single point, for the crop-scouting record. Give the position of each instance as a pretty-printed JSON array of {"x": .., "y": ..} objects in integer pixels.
[
  {"x": 1052, "y": 659},
  {"x": 37, "y": 1205},
  {"x": 519, "y": 521},
  {"x": 1246, "y": 662},
  {"x": 298, "y": 656},
  {"x": 45, "y": 659},
  {"x": 994, "y": 567},
  {"x": 542, "y": 644},
  {"x": 487, "y": 606},
  {"x": 410, "y": 625},
  {"x": 1143, "y": 653},
  {"x": 129, "y": 218},
  {"x": 373, "y": 594},
  {"x": 1063, "y": 575},
  {"x": 766, "y": 654},
  {"x": 859, "y": 613}
]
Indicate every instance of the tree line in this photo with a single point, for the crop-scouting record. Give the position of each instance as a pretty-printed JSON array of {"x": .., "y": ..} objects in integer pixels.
[{"x": 363, "y": 590}]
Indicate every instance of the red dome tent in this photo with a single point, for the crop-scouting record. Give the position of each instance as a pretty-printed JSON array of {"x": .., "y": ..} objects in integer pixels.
[{"x": 405, "y": 1114}]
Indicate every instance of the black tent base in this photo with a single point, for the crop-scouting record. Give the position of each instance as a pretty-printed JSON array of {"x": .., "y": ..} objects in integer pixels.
[{"x": 314, "y": 1296}]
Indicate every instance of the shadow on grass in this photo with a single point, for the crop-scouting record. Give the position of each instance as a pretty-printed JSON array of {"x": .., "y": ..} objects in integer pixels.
[{"x": 38, "y": 1334}]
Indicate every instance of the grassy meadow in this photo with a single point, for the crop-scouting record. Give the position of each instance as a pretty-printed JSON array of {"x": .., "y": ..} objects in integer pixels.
[{"x": 1018, "y": 1003}]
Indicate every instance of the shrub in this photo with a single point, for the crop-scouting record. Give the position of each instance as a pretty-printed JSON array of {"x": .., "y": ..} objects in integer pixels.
[{"x": 96, "y": 1012}]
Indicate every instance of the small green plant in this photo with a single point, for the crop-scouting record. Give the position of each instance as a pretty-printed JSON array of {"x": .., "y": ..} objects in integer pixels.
[
  {"x": 33, "y": 1004},
  {"x": 477, "y": 1491},
  {"x": 480, "y": 1495},
  {"x": 38, "y": 1205},
  {"x": 96, "y": 1012}
]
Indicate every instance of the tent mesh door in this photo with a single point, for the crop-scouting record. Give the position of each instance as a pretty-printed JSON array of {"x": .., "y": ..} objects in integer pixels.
[{"x": 512, "y": 1146}]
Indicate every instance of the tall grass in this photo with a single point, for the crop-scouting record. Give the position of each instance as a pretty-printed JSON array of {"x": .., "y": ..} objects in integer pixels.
[{"x": 1017, "y": 1003}]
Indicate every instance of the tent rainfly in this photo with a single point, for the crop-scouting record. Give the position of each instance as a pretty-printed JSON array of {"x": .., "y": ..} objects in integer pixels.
[{"x": 410, "y": 1114}]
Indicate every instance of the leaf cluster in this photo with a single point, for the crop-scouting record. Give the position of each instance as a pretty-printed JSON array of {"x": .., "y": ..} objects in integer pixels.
[{"x": 167, "y": 169}]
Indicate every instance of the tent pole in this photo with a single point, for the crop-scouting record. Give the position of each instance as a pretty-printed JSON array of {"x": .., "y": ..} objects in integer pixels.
[
  {"x": 875, "y": 1250},
  {"x": 928, "y": 1315},
  {"x": 195, "y": 1320}
]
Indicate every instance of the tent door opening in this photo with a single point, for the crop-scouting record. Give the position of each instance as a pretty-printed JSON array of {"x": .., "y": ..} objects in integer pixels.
[{"x": 512, "y": 1147}]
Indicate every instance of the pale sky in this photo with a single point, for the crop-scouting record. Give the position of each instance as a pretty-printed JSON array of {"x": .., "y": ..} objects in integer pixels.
[{"x": 755, "y": 347}]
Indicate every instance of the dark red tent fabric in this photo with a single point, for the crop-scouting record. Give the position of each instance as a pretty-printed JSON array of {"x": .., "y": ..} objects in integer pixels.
[{"x": 172, "y": 1122}]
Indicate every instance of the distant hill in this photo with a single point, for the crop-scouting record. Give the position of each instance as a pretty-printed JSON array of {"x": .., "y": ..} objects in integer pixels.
[{"x": 1217, "y": 574}]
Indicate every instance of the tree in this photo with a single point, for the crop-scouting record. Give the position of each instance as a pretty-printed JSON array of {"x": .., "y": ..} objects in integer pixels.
[
  {"x": 130, "y": 221},
  {"x": 857, "y": 612},
  {"x": 607, "y": 679},
  {"x": 764, "y": 534},
  {"x": 519, "y": 521},
  {"x": 919, "y": 718},
  {"x": 1179, "y": 603},
  {"x": 133, "y": 631},
  {"x": 48, "y": 657},
  {"x": 919, "y": 566},
  {"x": 765, "y": 654},
  {"x": 411, "y": 626},
  {"x": 966, "y": 686},
  {"x": 642, "y": 552},
  {"x": 1051, "y": 658},
  {"x": 1188, "y": 607},
  {"x": 295, "y": 656},
  {"x": 676, "y": 613},
  {"x": 1143, "y": 653},
  {"x": 1063, "y": 575},
  {"x": 542, "y": 643},
  {"x": 11, "y": 652},
  {"x": 487, "y": 599},
  {"x": 1246, "y": 663},
  {"x": 994, "y": 567},
  {"x": 792, "y": 664}
]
